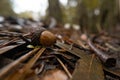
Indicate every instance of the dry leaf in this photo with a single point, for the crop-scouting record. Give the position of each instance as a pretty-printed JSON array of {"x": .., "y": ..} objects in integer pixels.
[{"x": 55, "y": 75}]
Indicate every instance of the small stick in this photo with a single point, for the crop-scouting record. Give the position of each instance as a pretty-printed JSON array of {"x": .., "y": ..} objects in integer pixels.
[
  {"x": 34, "y": 59},
  {"x": 15, "y": 63},
  {"x": 101, "y": 47},
  {"x": 64, "y": 67},
  {"x": 22, "y": 73},
  {"x": 108, "y": 60},
  {"x": 91, "y": 62},
  {"x": 5, "y": 44},
  {"x": 111, "y": 47}
]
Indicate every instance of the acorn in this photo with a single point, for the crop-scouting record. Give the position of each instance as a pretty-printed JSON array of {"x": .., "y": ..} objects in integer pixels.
[{"x": 43, "y": 37}]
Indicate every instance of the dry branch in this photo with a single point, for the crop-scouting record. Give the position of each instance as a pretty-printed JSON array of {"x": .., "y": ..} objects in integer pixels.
[{"x": 108, "y": 60}]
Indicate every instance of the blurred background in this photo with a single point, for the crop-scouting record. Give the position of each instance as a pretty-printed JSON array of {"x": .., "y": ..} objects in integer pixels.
[{"x": 88, "y": 15}]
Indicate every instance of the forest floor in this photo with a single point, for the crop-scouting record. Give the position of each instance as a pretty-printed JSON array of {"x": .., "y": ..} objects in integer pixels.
[{"x": 74, "y": 55}]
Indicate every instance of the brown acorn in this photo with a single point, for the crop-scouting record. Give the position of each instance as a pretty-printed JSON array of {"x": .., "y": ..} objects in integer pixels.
[
  {"x": 47, "y": 38},
  {"x": 43, "y": 37}
]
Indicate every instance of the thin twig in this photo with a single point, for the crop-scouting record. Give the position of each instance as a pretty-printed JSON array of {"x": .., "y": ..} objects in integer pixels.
[
  {"x": 15, "y": 63},
  {"x": 22, "y": 73},
  {"x": 91, "y": 62},
  {"x": 34, "y": 59},
  {"x": 9, "y": 42},
  {"x": 64, "y": 67},
  {"x": 112, "y": 47}
]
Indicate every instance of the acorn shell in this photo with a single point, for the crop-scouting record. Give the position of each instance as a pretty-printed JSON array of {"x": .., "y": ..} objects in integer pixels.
[
  {"x": 47, "y": 38},
  {"x": 43, "y": 37}
]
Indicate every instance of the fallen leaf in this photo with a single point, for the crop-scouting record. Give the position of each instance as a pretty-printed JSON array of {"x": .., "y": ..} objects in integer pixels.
[{"x": 55, "y": 74}]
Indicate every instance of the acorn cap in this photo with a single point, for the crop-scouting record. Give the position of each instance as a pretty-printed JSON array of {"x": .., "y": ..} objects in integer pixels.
[
  {"x": 36, "y": 36},
  {"x": 47, "y": 38}
]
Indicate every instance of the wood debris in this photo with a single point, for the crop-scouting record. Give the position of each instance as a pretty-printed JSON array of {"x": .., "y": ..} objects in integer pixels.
[{"x": 68, "y": 57}]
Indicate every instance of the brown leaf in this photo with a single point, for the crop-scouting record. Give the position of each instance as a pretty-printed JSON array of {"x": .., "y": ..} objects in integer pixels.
[
  {"x": 88, "y": 68},
  {"x": 55, "y": 74}
]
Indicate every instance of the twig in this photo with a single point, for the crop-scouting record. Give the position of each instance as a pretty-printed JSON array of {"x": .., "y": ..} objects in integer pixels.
[
  {"x": 22, "y": 73},
  {"x": 111, "y": 47},
  {"x": 9, "y": 42},
  {"x": 108, "y": 60},
  {"x": 34, "y": 59},
  {"x": 91, "y": 62},
  {"x": 101, "y": 47},
  {"x": 15, "y": 63},
  {"x": 64, "y": 67}
]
